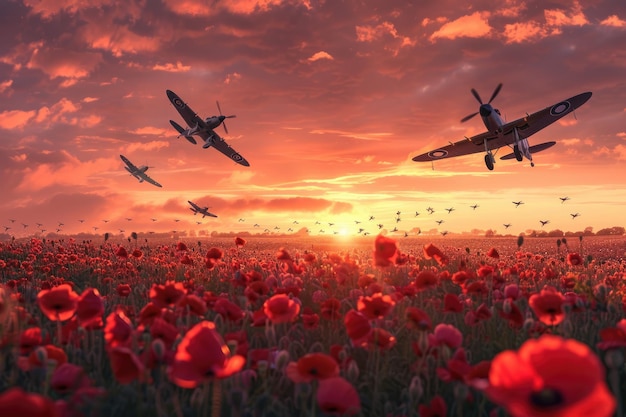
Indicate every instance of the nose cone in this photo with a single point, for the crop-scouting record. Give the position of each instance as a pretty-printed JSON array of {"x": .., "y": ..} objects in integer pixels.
[
  {"x": 485, "y": 110},
  {"x": 221, "y": 118}
]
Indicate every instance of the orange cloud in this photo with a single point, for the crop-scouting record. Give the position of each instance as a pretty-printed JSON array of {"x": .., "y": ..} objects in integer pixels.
[
  {"x": 522, "y": 32},
  {"x": 169, "y": 67},
  {"x": 122, "y": 41},
  {"x": 62, "y": 63},
  {"x": 15, "y": 119},
  {"x": 150, "y": 146},
  {"x": 150, "y": 130},
  {"x": 231, "y": 78},
  {"x": 559, "y": 17},
  {"x": 475, "y": 25},
  {"x": 372, "y": 33},
  {"x": 5, "y": 85},
  {"x": 614, "y": 21},
  {"x": 211, "y": 7},
  {"x": 320, "y": 55}
]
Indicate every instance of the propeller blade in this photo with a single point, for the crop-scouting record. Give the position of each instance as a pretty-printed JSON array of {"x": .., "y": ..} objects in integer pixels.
[
  {"x": 225, "y": 128},
  {"x": 466, "y": 118},
  {"x": 218, "y": 107},
  {"x": 475, "y": 93},
  {"x": 495, "y": 93}
]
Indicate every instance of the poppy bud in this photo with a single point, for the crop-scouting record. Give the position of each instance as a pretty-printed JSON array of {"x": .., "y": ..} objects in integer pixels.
[
  {"x": 506, "y": 306},
  {"x": 232, "y": 346},
  {"x": 42, "y": 355},
  {"x": 422, "y": 342},
  {"x": 614, "y": 358},
  {"x": 270, "y": 333},
  {"x": 158, "y": 348},
  {"x": 528, "y": 324},
  {"x": 284, "y": 343},
  {"x": 416, "y": 390},
  {"x": 282, "y": 358},
  {"x": 353, "y": 371}
]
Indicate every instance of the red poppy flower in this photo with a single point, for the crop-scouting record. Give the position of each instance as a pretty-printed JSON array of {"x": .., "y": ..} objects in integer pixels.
[
  {"x": 29, "y": 340},
  {"x": 511, "y": 312},
  {"x": 68, "y": 378},
  {"x": 53, "y": 355},
  {"x": 436, "y": 408},
  {"x": 613, "y": 337},
  {"x": 137, "y": 254},
  {"x": 433, "y": 252},
  {"x": 493, "y": 253},
  {"x": 160, "y": 329},
  {"x": 195, "y": 304},
  {"x": 283, "y": 255},
  {"x": 331, "y": 309},
  {"x": 376, "y": 306},
  {"x": 58, "y": 303},
  {"x": 550, "y": 377},
  {"x": 281, "y": 309},
  {"x": 90, "y": 308},
  {"x": 336, "y": 396},
  {"x": 228, "y": 310},
  {"x": 357, "y": 326},
  {"x": 548, "y": 306},
  {"x": 118, "y": 329},
  {"x": 381, "y": 339},
  {"x": 310, "y": 320},
  {"x": 181, "y": 247},
  {"x": 385, "y": 251},
  {"x": 121, "y": 252},
  {"x": 426, "y": 280},
  {"x": 15, "y": 402},
  {"x": 445, "y": 334},
  {"x": 123, "y": 290},
  {"x": 312, "y": 366},
  {"x": 125, "y": 365},
  {"x": 167, "y": 295},
  {"x": 574, "y": 259},
  {"x": 240, "y": 242},
  {"x": 451, "y": 303},
  {"x": 214, "y": 253},
  {"x": 417, "y": 319},
  {"x": 202, "y": 355}
]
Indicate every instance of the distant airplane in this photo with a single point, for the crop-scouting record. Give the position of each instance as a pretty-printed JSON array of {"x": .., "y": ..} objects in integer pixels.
[
  {"x": 563, "y": 199},
  {"x": 518, "y": 203},
  {"x": 138, "y": 172},
  {"x": 574, "y": 215},
  {"x": 500, "y": 134},
  {"x": 544, "y": 222},
  {"x": 202, "y": 210},
  {"x": 204, "y": 128}
]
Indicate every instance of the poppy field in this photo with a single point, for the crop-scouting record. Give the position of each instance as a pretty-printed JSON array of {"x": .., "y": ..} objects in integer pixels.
[{"x": 377, "y": 326}]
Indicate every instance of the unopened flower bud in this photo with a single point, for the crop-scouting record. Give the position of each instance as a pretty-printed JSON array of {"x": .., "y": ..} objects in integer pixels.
[
  {"x": 506, "y": 306},
  {"x": 158, "y": 349},
  {"x": 353, "y": 371},
  {"x": 282, "y": 358},
  {"x": 270, "y": 333},
  {"x": 42, "y": 355},
  {"x": 416, "y": 390},
  {"x": 614, "y": 358},
  {"x": 528, "y": 324}
]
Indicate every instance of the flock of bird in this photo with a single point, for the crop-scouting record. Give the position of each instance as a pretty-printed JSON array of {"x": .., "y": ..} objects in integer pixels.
[{"x": 361, "y": 227}]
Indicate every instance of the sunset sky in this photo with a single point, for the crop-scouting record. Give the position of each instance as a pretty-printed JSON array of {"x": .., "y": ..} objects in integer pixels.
[{"x": 332, "y": 98}]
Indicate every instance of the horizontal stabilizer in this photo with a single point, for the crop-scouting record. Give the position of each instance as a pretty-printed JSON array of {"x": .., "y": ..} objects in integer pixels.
[
  {"x": 180, "y": 130},
  {"x": 532, "y": 149}
]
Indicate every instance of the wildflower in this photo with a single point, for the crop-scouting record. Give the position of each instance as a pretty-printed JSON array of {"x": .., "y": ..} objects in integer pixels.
[
  {"x": 228, "y": 309},
  {"x": 68, "y": 378},
  {"x": 385, "y": 251},
  {"x": 310, "y": 320},
  {"x": 376, "y": 306},
  {"x": 357, "y": 326},
  {"x": 336, "y": 396},
  {"x": 90, "y": 308},
  {"x": 281, "y": 309},
  {"x": 118, "y": 329},
  {"x": 445, "y": 335},
  {"x": 451, "y": 303},
  {"x": 17, "y": 402},
  {"x": 613, "y": 337},
  {"x": 202, "y": 355},
  {"x": 168, "y": 294},
  {"x": 312, "y": 366},
  {"x": 433, "y": 252},
  {"x": 550, "y": 376},
  {"x": 436, "y": 408},
  {"x": 380, "y": 338},
  {"x": 123, "y": 290},
  {"x": 53, "y": 355},
  {"x": 121, "y": 252},
  {"x": 574, "y": 259},
  {"x": 240, "y": 242},
  {"x": 29, "y": 340},
  {"x": 426, "y": 280},
  {"x": 493, "y": 253},
  {"x": 548, "y": 306},
  {"x": 331, "y": 309},
  {"x": 126, "y": 365},
  {"x": 417, "y": 319},
  {"x": 58, "y": 303},
  {"x": 181, "y": 247}
]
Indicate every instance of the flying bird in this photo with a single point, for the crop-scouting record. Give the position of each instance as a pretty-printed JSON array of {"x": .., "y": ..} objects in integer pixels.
[
  {"x": 475, "y": 206},
  {"x": 544, "y": 222},
  {"x": 450, "y": 210},
  {"x": 563, "y": 199},
  {"x": 518, "y": 203},
  {"x": 506, "y": 225},
  {"x": 439, "y": 222},
  {"x": 574, "y": 215}
]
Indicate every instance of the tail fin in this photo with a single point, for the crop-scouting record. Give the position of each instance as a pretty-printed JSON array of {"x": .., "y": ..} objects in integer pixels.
[
  {"x": 182, "y": 131},
  {"x": 533, "y": 149}
]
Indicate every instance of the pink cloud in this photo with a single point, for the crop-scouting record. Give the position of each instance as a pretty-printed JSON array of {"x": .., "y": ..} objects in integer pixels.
[
  {"x": 169, "y": 67},
  {"x": 523, "y": 32},
  {"x": 559, "y": 17},
  {"x": 150, "y": 146},
  {"x": 320, "y": 55},
  {"x": 15, "y": 119},
  {"x": 5, "y": 85},
  {"x": 151, "y": 130},
  {"x": 211, "y": 7},
  {"x": 475, "y": 25},
  {"x": 119, "y": 42},
  {"x": 369, "y": 33},
  {"x": 614, "y": 21},
  {"x": 63, "y": 63},
  {"x": 231, "y": 78}
]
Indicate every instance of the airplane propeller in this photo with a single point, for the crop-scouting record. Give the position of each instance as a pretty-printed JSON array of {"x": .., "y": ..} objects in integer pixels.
[
  {"x": 223, "y": 117},
  {"x": 477, "y": 97}
]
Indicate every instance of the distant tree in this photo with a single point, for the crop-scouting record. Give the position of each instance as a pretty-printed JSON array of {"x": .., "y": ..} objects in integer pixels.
[
  {"x": 490, "y": 233},
  {"x": 611, "y": 231}
]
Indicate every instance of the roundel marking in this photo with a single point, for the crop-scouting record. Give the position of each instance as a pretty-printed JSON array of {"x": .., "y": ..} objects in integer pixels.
[
  {"x": 236, "y": 157},
  {"x": 438, "y": 153},
  {"x": 179, "y": 103},
  {"x": 560, "y": 108}
]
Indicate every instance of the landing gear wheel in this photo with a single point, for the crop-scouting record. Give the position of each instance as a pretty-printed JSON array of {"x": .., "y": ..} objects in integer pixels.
[
  {"x": 518, "y": 154},
  {"x": 489, "y": 162}
]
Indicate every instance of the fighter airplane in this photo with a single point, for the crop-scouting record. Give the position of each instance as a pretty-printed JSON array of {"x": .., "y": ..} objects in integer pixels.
[
  {"x": 500, "y": 133},
  {"x": 138, "y": 172},
  {"x": 202, "y": 210},
  {"x": 204, "y": 128}
]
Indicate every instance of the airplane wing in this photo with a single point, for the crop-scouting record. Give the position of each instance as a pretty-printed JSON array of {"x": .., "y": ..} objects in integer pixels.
[
  {"x": 190, "y": 116},
  {"x": 148, "y": 179},
  {"x": 194, "y": 205},
  {"x": 129, "y": 164},
  {"x": 526, "y": 126},
  {"x": 221, "y": 145}
]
